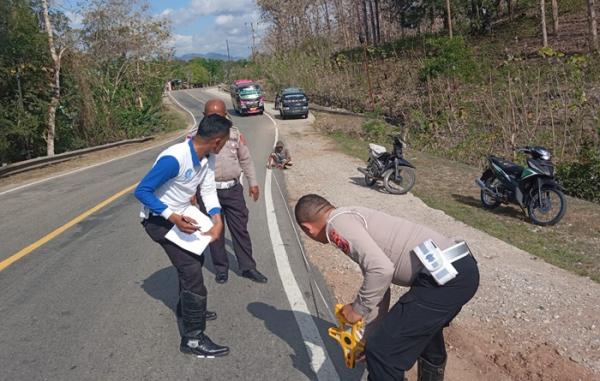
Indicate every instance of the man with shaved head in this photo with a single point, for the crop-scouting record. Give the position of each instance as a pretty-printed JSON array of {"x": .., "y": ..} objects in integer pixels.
[
  {"x": 442, "y": 275},
  {"x": 233, "y": 159}
]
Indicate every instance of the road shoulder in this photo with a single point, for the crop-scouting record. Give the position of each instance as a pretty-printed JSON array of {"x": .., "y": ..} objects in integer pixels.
[{"x": 520, "y": 296}]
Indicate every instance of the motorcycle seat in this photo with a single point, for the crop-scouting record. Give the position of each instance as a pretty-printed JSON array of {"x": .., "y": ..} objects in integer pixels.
[
  {"x": 377, "y": 149},
  {"x": 507, "y": 166}
]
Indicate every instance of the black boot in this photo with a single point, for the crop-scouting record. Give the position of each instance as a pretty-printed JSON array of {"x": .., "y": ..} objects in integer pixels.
[
  {"x": 210, "y": 315},
  {"x": 194, "y": 341},
  {"x": 430, "y": 372}
]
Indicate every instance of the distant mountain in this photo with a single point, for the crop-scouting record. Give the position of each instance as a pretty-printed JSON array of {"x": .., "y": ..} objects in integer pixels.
[{"x": 212, "y": 56}]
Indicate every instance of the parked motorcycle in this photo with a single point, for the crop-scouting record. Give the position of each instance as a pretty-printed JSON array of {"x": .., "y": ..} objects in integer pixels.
[
  {"x": 397, "y": 174},
  {"x": 533, "y": 187}
]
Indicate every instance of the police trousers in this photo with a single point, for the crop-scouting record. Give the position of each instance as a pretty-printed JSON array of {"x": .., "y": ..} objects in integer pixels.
[
  {"x": 414, "y": 326},
  {"x": 235, "y": 214},
  {"x": 188, "y": 265}
]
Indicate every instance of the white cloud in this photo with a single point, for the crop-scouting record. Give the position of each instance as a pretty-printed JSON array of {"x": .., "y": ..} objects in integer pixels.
[
  {"x": 224, "y": 19},
  {"x": 178, "y": 39},
  {"x": 231, "y": 22},
  {"x": 199, "y": 8},
  {"x": 166, "y": 13}
]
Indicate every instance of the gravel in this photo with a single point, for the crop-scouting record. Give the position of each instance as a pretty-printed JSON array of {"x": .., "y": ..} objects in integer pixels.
[{"x": 522, "y": 300}]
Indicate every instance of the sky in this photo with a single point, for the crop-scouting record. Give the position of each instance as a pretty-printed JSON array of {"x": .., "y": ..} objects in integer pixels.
[
  {"x": 203, "y": 26},
  {"x": 199, "y": 26}
]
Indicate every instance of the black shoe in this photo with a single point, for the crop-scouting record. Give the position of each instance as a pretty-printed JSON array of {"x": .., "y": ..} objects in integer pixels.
[
  {"x": 210, "y": 315},
  {"x": 221, "y": 277},
  {"x": 254, "y": 275},
  {"x": 202, "y": 345}
]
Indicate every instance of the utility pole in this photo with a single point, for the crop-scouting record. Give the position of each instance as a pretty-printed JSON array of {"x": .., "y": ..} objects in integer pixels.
[
  {"x": 228, "y": 60},
  {"x": 253, "y": 39}
]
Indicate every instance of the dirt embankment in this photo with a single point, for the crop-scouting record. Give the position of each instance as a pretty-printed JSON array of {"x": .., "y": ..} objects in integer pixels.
[{"x": 528, "y": 321}]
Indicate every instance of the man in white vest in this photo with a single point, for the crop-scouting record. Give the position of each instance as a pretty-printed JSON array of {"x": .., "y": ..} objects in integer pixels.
[{"x": 165, "y": 191}]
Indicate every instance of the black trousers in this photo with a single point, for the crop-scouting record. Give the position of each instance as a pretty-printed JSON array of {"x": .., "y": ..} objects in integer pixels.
[
  {"x": 235, "y": 214},
  {"x": 414, "y": 326},
  {"x": 188, "y": 265}
]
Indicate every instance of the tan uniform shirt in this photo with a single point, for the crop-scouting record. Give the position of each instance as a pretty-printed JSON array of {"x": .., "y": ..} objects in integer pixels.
[
  {"x": 235, "y": 158},
  {"x": 382, "y": 246}
]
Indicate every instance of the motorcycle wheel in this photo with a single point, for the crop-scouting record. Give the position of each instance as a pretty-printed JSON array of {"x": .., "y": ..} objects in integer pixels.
[
  {"x": 403, "y": 184},
  {"x": 490, "y": 202},
  {"x": 541, "y": 213},
  {"x": 370, "y": 180}
]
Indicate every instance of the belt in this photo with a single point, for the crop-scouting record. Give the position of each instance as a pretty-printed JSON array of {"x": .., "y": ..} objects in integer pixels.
[
  {"x": 438, "y": 263},
  {"x": 456, "y": 252},
  {"x": 226, "y": 184}
]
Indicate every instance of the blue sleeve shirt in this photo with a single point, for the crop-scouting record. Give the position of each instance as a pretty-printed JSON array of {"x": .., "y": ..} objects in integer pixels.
[{"x": 166, "y": 168}]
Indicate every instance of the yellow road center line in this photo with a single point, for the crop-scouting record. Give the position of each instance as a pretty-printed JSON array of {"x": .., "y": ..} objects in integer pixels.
[{"x": 50, "y": 236}]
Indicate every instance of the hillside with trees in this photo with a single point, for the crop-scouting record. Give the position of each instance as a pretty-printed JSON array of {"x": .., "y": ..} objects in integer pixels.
[
  {"x": 459, "y": 78},
  {"x": 63, "y": 88}
]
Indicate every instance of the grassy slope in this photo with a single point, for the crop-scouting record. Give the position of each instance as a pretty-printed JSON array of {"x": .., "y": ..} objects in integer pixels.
[{"x": 443, "y": 184}]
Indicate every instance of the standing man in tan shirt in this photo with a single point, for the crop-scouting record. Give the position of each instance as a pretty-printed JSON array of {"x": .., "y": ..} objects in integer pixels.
[
  {"x": 390, "y": 250},
  {"x": 231, "y": 161}
]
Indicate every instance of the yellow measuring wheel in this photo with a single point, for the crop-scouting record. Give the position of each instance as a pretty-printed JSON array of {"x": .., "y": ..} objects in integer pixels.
[{"x": 348, "y": 336}]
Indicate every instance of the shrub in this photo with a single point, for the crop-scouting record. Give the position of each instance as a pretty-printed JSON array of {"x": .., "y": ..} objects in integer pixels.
[
  {"x": 447, "y": 57},
  {"x": 581, "y": 178},
  {"x": 375, "y": 129}
]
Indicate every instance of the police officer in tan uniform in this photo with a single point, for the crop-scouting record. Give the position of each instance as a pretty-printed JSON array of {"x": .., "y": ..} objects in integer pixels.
[
  {"x": 392, "y": 250},
  {"x": 231, "y": 161}
]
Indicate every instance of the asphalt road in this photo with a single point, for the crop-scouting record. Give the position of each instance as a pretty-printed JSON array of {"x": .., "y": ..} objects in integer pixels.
[{"x": 97, "y": 301}]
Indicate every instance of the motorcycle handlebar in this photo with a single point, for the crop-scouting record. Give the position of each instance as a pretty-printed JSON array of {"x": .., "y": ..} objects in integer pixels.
[{"x": 397, "y": 136}]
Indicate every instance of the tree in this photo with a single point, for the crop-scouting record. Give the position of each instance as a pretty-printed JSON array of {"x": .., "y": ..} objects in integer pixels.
[
  {"x": 124, "y": 47},
  {"x": 195, "y": 72},
  {"x": 593, "y": 26},
  {"x": 555, "y": 17},
  {"x": 365, "y": 22},
  {"x": 449, "y": 17},
  {"x": 57, "y": 49},
  {"x": 543, "y": 22},
  {"x": 23, "y": 82}
]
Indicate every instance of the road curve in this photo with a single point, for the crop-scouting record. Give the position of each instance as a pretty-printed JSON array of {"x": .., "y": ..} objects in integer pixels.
[{"x": 96, "y": 302}]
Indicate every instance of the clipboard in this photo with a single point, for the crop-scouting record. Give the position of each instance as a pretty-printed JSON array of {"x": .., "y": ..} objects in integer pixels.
[{"x": 196, "y": 242}]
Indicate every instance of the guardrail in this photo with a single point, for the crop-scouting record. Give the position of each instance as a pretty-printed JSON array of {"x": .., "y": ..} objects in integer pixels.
[{"x": 43, "y": 161}]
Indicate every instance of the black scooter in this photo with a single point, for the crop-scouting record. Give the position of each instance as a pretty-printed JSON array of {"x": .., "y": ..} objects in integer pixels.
[
  {"x": 533, "y": 187},
  {"x": 397, "y": 174}
]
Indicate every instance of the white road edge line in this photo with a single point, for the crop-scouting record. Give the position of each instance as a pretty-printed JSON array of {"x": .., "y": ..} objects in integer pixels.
[
  {"x": 329, "y": 312},
  {"x": 319, "y": 361},
  {"x": 180, "y": 105},
  {"x": 328, "y": 308}
]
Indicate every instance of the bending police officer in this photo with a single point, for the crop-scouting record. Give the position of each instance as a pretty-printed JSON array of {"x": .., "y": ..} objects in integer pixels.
[{"x": 388, "y": 250}]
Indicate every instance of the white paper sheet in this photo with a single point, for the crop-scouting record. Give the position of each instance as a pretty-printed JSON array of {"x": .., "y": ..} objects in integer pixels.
[{"x": 195, "y": 242}]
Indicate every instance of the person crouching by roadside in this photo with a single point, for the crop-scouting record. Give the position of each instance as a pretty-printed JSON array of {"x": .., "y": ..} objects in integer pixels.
[{"x": 280, "y": 157}]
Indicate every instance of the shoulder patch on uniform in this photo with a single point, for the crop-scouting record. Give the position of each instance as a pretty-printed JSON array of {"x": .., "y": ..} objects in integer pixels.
[
  {"x": 339, "y": 241},
  {"x": 234, "y": 134}
]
